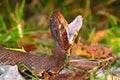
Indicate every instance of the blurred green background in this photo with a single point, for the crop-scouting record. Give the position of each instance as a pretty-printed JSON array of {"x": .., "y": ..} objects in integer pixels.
[{"x": 25, "y": 23}]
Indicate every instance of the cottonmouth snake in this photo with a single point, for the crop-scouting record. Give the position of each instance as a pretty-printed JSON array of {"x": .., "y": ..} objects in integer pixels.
[{"x": 63, "y": 35}]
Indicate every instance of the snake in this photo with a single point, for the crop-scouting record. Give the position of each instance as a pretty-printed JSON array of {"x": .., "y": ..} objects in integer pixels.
[{"x": 63, "y": 34}]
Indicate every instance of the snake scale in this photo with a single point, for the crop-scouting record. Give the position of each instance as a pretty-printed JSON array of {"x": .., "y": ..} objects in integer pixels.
[{"x": 63, "y": 35}]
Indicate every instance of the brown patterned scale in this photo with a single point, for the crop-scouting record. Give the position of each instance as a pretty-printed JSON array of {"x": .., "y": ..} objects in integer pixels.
[{"x": 63, "y": 35}]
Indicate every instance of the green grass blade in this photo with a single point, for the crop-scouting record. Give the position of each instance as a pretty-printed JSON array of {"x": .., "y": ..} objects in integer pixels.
[
  {"x": 20, "y": 10},
  {"x": 3, "y": 24},
  {"x": 113, "y": 21},
  {"x": 33, "y": 76},
  {"x": 91, "y": 34}
]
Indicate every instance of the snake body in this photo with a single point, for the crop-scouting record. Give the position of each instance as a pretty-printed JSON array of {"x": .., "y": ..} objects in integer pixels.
[
  {"x": 38, "y": 63},
  {"x": 42, "y": 63}
]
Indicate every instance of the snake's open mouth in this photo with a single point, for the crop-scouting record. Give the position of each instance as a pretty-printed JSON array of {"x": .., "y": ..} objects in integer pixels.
[{"x": 73, "y": 28}]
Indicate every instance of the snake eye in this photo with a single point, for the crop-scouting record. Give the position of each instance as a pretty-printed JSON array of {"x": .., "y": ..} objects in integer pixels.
[
  {"x": 50, "y": 73},
  {"x": 42, "y": 74}
]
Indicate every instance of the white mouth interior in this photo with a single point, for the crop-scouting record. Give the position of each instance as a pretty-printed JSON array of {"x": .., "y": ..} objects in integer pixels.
[{"x": 74, "y": 27}]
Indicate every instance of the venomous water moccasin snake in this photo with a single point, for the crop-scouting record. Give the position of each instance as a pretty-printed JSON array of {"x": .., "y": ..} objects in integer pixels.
[{"x": 63, "y": 35}]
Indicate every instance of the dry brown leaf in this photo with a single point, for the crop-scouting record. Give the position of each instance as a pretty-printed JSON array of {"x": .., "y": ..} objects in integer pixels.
[
  {"x": 80, "y": 52},
  {"x": 29, "y": 47},
  {"x": 77, "y": 49},
  {"x": 92, "y": 50}
]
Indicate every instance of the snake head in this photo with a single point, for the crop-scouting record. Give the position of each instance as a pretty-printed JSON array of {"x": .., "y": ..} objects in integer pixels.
[{"x": 63, "y": 33}]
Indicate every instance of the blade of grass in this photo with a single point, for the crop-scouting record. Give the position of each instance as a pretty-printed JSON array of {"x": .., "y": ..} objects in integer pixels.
[
  {"x": 113, "y": 22},
  {"x": 9, "y": 11},
  {"x": 33, "y": 76},
  {"x": 92, "y": 73},
  {"x": 67, "y": 61},
  {"x": 91, "y": 34},
  {"x": 3, "y": 23},
  {"x": 3, "y": 37},
  {"x": 20, "y": 12}
]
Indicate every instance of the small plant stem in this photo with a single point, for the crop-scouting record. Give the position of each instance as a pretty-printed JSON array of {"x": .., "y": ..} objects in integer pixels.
[{"x": 67, "y": 60}]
